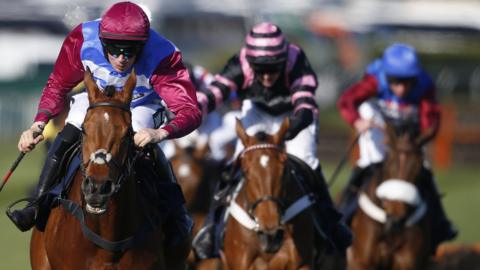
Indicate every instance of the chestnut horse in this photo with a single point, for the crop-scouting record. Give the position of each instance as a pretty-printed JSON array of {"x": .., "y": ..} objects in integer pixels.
[
  {"x": 391, "y": 223},
  {"x": 102, "y": 223},
  {"x": 269, "y": 222},
  {"x": 196, "y": 175}
]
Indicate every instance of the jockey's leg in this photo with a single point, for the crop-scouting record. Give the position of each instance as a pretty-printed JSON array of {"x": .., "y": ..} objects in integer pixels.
[
  {"x": 25, "y": 218},
  {"x": 179, "y": 224},
  {"x": 206, "y": 243},
  {"x": 349, "y": 193},
  {"x": 328, "y": 218},
  {"x": 442, "y": 229},
  {"x": 349, "y": 196}
]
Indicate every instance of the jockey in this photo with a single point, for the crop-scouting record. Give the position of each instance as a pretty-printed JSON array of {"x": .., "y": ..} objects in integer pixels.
[
  {"x": 274, "y": 80},
  {"x": 200, "y": 78},
  {"x": 396, "y": 88},
  {"x": 111, "y": 47}
]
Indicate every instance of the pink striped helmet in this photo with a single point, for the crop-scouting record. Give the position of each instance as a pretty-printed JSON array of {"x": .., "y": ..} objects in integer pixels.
[{"x": 266, "y": 45}]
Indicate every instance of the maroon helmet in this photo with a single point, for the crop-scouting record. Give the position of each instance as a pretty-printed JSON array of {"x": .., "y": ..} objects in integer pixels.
[{"x": 125, "y": 21}]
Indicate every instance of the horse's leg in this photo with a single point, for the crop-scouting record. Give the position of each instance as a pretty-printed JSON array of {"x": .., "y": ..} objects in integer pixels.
[{"x": 38, "y": 253}]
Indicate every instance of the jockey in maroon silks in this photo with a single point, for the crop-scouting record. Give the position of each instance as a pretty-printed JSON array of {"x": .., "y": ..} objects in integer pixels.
[
  {"x": 396, "y": 89},
  {"x": 274, "y": 80},
  {"x": 111, "y": 47}
]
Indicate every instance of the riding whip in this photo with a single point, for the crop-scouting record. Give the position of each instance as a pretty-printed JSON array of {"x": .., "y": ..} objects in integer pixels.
[
  {"x": 19, "y": 158},
  {"x": 342, "y": 161}
]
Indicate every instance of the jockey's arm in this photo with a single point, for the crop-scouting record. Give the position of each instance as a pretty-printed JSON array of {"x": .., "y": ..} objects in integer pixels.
[
  {"x": 430, "y": 116},
  {"x": 229, "y": 80},
  {"x": 171, "y": 82},
  {"x": 303, "y": 86},
  {"x": 351, "y": 99},
  {"x": 67, "y": 73}
]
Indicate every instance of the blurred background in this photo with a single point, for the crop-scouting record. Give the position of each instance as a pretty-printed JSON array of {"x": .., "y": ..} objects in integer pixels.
[{"x": 340, "y": 38}]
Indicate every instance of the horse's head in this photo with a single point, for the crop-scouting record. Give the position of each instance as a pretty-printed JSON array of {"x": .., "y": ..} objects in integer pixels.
[
  {"x": 399, "y": 191},
  {"x": 107, "y": 138},
  {"x": 263, "y": 162}
]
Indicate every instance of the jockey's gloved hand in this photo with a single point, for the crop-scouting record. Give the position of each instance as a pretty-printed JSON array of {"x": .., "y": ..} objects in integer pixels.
[
  {"x": 298, "y": 122},
  {"x": 31, "y": 137},
  {"x": 149, "y": 135}
]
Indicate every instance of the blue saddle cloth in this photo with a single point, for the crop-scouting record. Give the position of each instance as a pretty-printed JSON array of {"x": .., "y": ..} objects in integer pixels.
[{"x": 166, "y": 196}]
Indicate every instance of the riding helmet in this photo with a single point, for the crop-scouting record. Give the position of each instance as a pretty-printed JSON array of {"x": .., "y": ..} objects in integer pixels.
[
  {"x": 266, "y": 45},
  {"x": 401, "y": 61},
  {"x": 125, "y": 21}
]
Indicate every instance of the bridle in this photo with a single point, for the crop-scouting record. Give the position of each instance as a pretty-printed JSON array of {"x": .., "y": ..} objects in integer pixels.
[
  {"x": 247, "y": 218},
  {"x": 391, "y": 188},
  {"x": 77, "y": 211},
  {"x": 125, "y": 170},
  {"x": 277, "y": 201}
]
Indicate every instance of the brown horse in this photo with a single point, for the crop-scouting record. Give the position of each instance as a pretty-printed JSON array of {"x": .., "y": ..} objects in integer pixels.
[
  {"x": 196, "y": 175},
  {"x": 391, "y": 224},
  {"x": 105, "y": 226},
  {"x": 267, "y": 228}
]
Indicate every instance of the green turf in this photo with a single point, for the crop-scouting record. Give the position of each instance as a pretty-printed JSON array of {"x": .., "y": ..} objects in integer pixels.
[
  {"x": 460, "y": 184},
  {"x": 14, "y": 244}
]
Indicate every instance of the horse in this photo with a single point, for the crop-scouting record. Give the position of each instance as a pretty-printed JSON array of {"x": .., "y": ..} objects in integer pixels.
[
  {"x": 102, "y": 222},
  {"x": 269, "y": 224},
  {"x": 391, "y": 224},
  {"x": 196, "y": 175}
]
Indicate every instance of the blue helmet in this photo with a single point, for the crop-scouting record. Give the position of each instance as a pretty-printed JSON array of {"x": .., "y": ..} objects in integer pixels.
[{"x": 401, "y": 61}]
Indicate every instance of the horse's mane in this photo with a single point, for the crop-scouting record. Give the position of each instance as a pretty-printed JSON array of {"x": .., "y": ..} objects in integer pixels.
[{"x": 109, "y": 91}]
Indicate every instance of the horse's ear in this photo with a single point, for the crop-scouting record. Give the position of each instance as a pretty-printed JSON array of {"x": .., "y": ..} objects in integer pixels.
[
  {"x": 126, "y": 94},
  {"x": 280, "y": 135},
  {"x": 242, "y": 134},
  {"x": 92, "y": 88}
]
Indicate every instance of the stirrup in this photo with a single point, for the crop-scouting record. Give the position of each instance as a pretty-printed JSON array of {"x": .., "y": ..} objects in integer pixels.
[{"x": 31, "y": 201}]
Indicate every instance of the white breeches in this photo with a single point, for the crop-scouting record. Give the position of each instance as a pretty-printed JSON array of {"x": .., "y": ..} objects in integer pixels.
[
  {"x": 224, "y": 135},
  {"x": 371, "y": 142},
  {"x": 142, "y": 116},
  {"x": 303, "y": 146}
]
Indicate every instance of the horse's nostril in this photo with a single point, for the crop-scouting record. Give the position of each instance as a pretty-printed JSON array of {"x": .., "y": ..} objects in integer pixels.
[
  {"x": 87, "y": 186},
  {"x": 106, "y": 187}
]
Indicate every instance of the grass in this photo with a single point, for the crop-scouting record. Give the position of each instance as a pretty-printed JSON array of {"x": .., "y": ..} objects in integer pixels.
[
  {"x": 460, "y": 184},
  {"x": 15, "y": 244}
]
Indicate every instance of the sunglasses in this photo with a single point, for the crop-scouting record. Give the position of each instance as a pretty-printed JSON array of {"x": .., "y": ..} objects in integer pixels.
[
  {"x": 267, "y": 69},
  {"x": 406, "y": 80},
  {"x": 128, "y": 51}
]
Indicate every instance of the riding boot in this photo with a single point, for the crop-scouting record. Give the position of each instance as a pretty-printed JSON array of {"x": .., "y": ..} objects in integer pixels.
[
  {"x": 25, "y": 218},
  {"x": 162, "y": 165},
  {"x": 206, "y": 243},
  {"x": 442, "y": 229},
  {"x": 328, "y": 218},
  {"x": 347, "y": 204},
  {"x": 179, "y": 225}
]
